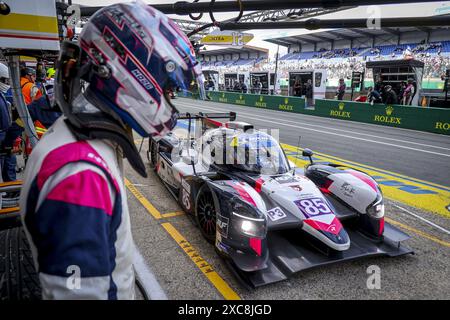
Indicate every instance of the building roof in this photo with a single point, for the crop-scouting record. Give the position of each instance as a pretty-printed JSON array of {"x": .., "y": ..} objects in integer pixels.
[
  {"x": 347, "y": 34},
  {"x": 235, "y": 49},
  {"x": 394, "y": 63}
]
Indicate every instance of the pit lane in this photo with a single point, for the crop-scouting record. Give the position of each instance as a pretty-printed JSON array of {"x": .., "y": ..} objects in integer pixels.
[{"x": 186, "y": 267}]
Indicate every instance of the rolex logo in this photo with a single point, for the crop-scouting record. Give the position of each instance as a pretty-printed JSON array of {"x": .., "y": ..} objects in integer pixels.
[
  {"x": 286, "y": 100},
  {"x": 389, "y": 110},
  {"x": 261, "y": 98},
  {"x": 223, "y": 94},
  {"x": 240, "y": 97},
  {"x": 341, "y": 106}
]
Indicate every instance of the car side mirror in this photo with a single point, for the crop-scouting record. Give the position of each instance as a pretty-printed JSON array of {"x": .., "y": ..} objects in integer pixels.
[{"x": 308, "y": 153}]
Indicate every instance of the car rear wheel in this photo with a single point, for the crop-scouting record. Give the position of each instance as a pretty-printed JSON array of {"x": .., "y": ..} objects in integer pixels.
[
  {"x": 205, "y": 213},
  {"x": 18, "y": 277},
  {"x": 151, "y": 153}
]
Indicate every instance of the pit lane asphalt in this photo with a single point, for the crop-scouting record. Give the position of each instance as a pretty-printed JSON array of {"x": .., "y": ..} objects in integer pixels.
[{"x": 420, "y": 276}]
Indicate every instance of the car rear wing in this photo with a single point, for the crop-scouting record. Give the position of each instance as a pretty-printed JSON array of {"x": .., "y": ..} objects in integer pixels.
[{"x": 209, "y": 120}]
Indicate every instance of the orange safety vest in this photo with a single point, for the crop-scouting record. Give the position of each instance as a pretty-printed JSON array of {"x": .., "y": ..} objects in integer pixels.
[{"x": 26, "y": 86}]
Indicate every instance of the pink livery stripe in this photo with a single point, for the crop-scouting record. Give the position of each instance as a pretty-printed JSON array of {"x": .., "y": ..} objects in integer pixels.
[
  {"x": 363, "y": 177},
  {"x": 239, "y": 187},
  {"x": 71, "y": 152},
  {"x": 86, "y": 188}
]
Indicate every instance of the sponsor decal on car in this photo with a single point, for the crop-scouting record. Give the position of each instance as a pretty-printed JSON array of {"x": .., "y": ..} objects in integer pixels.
[
  {"x": 222, "y": 225},
  {"x": 296, "y": 188},
  {"x": 285, "y": 179},
  {"x": 347, "y": 189},
  {"x": 186, "y": 186},
  {"x": 276, "y": 214}
]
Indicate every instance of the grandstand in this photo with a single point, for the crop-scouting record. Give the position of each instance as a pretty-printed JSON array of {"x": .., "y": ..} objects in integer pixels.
[{"x": 244, "y": 56}]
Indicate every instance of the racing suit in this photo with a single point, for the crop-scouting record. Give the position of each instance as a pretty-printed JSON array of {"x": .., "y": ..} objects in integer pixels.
[{"x": 75, "y": 213}]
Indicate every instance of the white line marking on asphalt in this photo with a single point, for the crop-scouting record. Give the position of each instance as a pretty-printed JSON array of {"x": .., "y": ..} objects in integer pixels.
[
  {"x": 423, "y": 219},
  {"x": 326, "y": 132},
  {"x": 147, "y": 278}
]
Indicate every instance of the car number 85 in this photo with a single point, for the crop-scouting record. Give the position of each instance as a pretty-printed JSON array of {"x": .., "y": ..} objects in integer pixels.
[{"x": 313, "y": 207}]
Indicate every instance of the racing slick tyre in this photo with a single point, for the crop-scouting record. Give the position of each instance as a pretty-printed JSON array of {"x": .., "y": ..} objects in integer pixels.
[
  {"x": 205, "y": 213},
  {"x": 18, "y": 277},
  {"x": 152, "y": 152}
]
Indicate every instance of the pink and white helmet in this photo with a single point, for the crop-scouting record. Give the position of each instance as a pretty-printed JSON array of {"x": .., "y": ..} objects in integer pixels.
[{"x": 138, "y": 55}]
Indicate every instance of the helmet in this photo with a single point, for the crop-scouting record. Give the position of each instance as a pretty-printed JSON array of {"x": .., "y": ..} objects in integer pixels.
[
  {"x": 27, "y": 71},
  {"x": 51, "y": 72},
  {"x": 136, "y": 55},
  {"x": 252, "y": 151},
  {"x": 4, "y": 77}
]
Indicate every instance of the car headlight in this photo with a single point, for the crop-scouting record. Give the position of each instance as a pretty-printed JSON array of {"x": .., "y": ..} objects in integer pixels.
[
  {"x": 253, "y": 227},
  {"x": 376, "y": 209}
]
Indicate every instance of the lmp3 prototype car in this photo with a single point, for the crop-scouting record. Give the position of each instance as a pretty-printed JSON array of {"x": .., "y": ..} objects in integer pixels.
[{"x": 268, "y": 218}]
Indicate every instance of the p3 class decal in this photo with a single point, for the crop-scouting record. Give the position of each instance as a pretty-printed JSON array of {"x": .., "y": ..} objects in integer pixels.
[
  {"x": 222, "y": 225},
  {"x": 276, "y": 214},
  {"x": 313, "y": 207}
]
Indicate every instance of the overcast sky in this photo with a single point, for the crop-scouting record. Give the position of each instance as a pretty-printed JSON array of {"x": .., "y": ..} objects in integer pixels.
[{"x": 387, "y": 11}]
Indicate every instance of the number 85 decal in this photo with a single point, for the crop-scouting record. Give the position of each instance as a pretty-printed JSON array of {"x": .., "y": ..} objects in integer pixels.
[{"x": 313, "y": 207}]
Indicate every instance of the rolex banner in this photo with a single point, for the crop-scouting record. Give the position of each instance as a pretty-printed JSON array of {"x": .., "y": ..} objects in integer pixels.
[{"x": 417, "y": 118}]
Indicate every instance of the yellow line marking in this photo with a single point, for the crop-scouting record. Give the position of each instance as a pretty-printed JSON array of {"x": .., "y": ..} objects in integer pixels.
[
  {"x": 150, "y": 208},
  {"x": 172, "y": 214},
  {"x": 420, "y": 233},
  {"x": 205, "y": 267}
]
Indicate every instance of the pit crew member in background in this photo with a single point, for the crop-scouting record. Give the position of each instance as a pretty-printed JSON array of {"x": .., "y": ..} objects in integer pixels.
[
  {"x": 340, "y": 92},
  {"x": 73, "y": 203},
  {"x": 28, "y": 84},
  {"x": 373, "y": 96},
  {"x": 5, "y": 118},
  {"x": 408, "y": 94},
  {"x": 390, "y": 95}
]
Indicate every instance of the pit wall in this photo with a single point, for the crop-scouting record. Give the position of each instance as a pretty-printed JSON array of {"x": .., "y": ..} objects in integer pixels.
[{"x": 434, "y": 120}]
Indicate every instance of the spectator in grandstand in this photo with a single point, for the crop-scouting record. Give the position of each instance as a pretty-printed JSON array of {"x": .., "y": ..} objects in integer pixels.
[
  {"x": 390, "y": 95},
  {"x": 298, "y": 88},
  {"x": 373, "y": 96},
  {"x": 28, "y": 84},
  {"x": 243, "y": 87},
  {"x": 341, "y": 89}
]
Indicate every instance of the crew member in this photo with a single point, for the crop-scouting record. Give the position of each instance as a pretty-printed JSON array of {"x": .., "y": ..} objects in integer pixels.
[
  {"x": 341, "y": 89},
  {"x": 73, "y": 203},
  {"x": 28, "y": 84},
  {"x": 390, "y": 95}
]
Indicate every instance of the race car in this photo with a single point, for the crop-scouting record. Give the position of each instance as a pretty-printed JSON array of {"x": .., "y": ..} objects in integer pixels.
[{"x": 268, "y": 218}]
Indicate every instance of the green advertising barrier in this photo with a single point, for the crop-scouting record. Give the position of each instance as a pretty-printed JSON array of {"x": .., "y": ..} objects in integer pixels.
[
  {"x": 417, "y": 118},
  {"x": 281, "y": 103}
]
